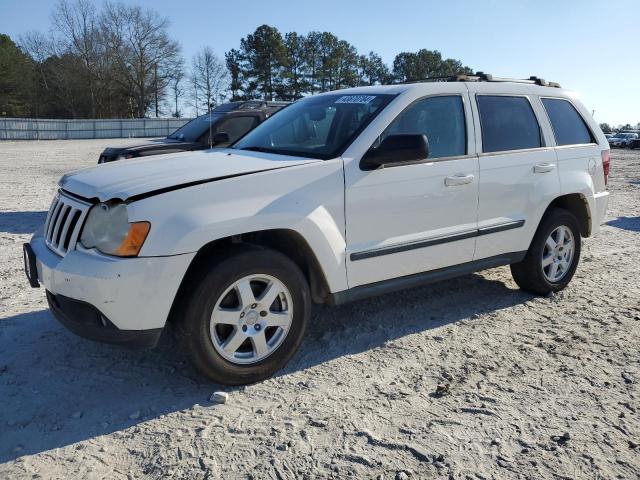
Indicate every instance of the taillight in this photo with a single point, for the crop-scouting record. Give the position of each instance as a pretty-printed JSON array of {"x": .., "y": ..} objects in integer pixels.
[{"x": 606, "y": 162}]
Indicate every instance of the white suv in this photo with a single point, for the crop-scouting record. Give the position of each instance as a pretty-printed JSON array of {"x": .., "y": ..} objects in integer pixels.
[{"x": 337, "y": 197}]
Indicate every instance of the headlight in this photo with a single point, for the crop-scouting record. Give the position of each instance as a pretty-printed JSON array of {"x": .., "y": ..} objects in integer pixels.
[{"x": 107, "y": 228}]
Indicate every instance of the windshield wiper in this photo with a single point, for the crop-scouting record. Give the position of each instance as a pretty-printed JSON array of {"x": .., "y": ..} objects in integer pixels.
[
  {"x": 259, "y": 149},
  {"x": 288, "y": 153}
]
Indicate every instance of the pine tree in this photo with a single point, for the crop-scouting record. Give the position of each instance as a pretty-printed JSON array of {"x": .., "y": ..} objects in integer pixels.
[
  {"x": 263, "y": 58},
  {"x": 16, "y": 71}
]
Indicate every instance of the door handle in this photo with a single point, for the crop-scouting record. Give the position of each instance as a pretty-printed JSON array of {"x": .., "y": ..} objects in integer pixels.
[
  {"x": 459, "y": 179},
  {"x": 544, "y": 167}
]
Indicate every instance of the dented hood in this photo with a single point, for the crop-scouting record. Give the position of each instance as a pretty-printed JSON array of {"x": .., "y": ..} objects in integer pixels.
[{"x": 158, "y": 174}]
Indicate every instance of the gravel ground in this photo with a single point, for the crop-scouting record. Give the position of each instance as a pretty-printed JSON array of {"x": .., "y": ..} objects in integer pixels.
[{"x": 533, "y": 387}]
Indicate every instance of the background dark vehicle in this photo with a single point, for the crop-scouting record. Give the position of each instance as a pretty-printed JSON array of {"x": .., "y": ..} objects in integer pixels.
[{"x": 234, "y": 118}]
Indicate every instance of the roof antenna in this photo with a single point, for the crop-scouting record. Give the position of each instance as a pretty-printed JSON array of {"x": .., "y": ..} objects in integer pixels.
[{"x": 210, "y": 138}]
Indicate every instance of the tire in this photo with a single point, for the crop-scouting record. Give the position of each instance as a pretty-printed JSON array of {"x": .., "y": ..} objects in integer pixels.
[
  {"x": 530, "y": 274},
  {"x": 213, "y": 288}
]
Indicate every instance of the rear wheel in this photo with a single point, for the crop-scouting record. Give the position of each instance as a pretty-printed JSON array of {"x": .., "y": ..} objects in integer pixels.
[
  {"x": 553, "y": 256},
  {"x": 246, "y": 316}
]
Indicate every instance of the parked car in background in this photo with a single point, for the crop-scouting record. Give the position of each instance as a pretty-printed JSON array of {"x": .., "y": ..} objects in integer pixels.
[
  {"x": 608, "y": 135},
  {"x": 623, "y": 139},
  {"x": 234, "y": 119},
  {"x": 635, "y": 143},
  {"x": 338, "y": 197}
]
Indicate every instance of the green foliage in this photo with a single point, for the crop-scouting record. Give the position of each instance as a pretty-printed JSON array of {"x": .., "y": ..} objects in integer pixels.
[
  {"x": 295, "y": 82},
  {"x": 263, "y": 56},
  {"x": 409, "y": 66},
  {"x": 268, "y": 65},
  {"x": 16, "y": 79},
  {"x": 233, "y": 62},
  {"x": 605, "y": 127},
  {"x": 373, "y": 70}
]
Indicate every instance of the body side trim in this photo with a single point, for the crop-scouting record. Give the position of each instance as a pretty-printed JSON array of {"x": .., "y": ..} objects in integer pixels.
[
  {"x": 403, "y": 247},
  {"x": 500, "y": 228}
]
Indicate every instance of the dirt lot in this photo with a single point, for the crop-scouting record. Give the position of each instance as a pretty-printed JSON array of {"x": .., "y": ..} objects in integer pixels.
[{"x": 539, "y": 387}]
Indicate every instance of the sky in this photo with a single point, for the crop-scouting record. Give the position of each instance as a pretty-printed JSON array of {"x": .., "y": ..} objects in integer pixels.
[{"x": 588, "y": 46}]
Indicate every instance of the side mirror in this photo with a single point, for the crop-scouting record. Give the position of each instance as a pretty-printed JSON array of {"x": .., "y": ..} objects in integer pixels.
[
  {"x": 396, "y": 150},
  {"x": 220, "y": 137}
]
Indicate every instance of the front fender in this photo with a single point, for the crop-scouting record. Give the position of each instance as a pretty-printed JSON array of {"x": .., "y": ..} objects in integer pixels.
[{"x": 308, "y": 199}]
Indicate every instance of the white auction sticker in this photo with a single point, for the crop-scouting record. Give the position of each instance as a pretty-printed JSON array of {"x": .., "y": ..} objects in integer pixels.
[{"x": 355, "y": 99}]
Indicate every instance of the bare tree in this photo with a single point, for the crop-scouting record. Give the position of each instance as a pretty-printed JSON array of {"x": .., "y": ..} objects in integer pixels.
[
  {"x": 39, "y": 48},
  {"x": 210, "y": 79},
  {"x": 78, "y": 23},
  {"x": 139, "y": 44},
  {"x": 175, "y": 84}
]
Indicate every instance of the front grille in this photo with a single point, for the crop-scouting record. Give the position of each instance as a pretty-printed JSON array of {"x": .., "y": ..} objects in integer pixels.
[{"x": 64, "y": 222}]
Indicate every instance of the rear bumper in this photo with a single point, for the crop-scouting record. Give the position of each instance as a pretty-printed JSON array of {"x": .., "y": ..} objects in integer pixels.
[
  {"x": 601, "y": 203},
  {"x": 87, "y": 321}
]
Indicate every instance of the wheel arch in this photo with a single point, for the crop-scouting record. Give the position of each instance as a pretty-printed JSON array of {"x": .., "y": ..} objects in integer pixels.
[
  {"x": 578, "y": 205},
  {"x": 288, "y": 242}
]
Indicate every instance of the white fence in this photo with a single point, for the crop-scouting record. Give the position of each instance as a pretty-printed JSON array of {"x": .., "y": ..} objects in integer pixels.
[{"x": 40, "y": 129}]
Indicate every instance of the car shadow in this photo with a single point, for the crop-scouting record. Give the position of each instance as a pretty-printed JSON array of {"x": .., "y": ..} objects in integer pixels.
[
  {"x": 626, "y": 223},
  {"x": 58, "y": 389},
  {"x": 21, "y": 222}
]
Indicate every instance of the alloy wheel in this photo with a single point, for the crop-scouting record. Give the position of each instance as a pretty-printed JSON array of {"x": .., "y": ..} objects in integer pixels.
[
  {"x": 251, "y": 319},
  {"x": 557, "y": 255}
]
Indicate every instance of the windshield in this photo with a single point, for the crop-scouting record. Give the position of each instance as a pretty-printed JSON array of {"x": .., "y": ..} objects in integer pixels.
[
  {"x": 315, "y": 127},
  {"x": 196, "y": 128}
]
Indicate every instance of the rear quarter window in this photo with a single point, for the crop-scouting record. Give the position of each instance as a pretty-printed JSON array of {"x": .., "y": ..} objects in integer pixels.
[
  {"x": 507, "y": 123},
  {"x": 568, "y": 126}
]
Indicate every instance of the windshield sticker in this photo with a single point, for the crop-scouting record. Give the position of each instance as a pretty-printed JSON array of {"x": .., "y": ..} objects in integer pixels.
[{"x": 363, "y": 99}]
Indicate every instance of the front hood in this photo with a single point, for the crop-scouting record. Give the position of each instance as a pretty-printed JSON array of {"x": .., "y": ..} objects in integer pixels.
[{"x": 150, "y": 175}]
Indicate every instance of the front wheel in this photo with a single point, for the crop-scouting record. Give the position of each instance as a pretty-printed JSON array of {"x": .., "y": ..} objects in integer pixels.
[
  {"x": 246, "y": 317},
  {"x": 553, "y": 256}
]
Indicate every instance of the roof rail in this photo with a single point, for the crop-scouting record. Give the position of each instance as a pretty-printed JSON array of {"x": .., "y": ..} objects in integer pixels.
[
  {"x": 258, "y": 104},
  {"x": 252, "y": 105},
  {"x": 487, "y": 77}
]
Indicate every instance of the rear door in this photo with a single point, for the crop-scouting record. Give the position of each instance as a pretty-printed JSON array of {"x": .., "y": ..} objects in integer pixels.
[
  {"x": 518, "y": 167},
  {"x": 579, "y": 155}
]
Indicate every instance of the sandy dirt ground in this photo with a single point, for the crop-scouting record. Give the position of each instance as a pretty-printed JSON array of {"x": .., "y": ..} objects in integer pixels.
[{"x": 538, "y": 387}]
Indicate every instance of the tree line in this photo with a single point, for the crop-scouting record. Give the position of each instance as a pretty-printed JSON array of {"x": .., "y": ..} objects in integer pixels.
[
  {"x": 272, "y": 66},
  {"x": 606, "y": 128},
  {"x": 119, "y": 61}
]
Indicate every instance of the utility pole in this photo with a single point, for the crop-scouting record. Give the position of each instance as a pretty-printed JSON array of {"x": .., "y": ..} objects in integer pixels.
[{"x": 155, "y": 81}]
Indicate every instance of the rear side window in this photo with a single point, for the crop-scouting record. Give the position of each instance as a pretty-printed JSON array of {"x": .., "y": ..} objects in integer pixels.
[
  {"x": 441, "y": 119},
  {"x": 568, "y": 126},
  {"x": 508, "y": 123}
]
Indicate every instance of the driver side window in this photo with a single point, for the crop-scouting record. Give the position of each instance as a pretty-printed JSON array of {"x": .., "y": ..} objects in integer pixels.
[{"x": 440, "y": 118}]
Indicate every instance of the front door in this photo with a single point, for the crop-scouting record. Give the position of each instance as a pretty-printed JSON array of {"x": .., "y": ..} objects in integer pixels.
[{"x": 407, "y": 219}]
